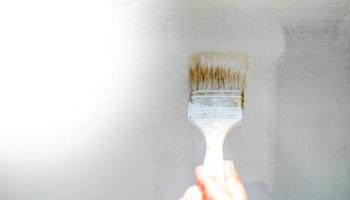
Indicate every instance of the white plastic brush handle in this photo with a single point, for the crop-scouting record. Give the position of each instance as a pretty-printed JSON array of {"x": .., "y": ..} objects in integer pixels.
[{"x": 214, "y": 157}]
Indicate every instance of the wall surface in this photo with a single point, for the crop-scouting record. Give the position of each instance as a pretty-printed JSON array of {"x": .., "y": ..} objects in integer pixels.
[{"x": 93, "y": 97}]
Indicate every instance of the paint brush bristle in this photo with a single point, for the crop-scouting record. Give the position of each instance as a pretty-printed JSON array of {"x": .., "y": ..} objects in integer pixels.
[{"x": 218, "y": 71}]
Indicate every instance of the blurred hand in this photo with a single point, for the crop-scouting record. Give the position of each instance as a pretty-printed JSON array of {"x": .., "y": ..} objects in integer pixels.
[{"x": 208, "y": 188}]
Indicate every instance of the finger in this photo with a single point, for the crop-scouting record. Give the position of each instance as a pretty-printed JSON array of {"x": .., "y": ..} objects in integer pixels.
[
  {"x": 233, "y": 183},
  {"x": 193, "y": 192},
  {"x": 211, "y": 188}
]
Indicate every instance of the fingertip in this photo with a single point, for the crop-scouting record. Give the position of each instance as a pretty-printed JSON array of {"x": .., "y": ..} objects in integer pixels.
[
  {"x": 198, "y": 169},
  {"x": 200, "y": 172}
]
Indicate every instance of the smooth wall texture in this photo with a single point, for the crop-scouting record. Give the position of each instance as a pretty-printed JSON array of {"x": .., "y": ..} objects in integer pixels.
[{"x": 93, "y": 97}]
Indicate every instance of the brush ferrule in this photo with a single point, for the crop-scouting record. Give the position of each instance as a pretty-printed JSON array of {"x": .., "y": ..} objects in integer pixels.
[{"x": 215, "y": 104}]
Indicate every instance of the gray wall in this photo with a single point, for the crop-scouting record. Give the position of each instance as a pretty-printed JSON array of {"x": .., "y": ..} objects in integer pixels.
[{"x": 94, "y": 96}]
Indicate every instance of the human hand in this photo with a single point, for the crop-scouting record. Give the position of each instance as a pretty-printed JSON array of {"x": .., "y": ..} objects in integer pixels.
[{"x": 208, "y": 188}]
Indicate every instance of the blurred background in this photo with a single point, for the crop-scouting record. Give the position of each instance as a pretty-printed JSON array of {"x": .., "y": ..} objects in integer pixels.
[{"x": 93, "y": 97}]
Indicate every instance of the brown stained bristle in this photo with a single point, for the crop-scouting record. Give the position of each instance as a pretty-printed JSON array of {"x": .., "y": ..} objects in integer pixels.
[{"x": 216, "y": 71}]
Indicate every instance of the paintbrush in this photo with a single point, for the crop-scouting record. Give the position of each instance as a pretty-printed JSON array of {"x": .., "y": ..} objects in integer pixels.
[{"x": 217, "y": 82}]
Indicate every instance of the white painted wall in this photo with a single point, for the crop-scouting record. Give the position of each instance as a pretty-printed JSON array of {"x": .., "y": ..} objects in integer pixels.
[{"x": 93, "y": 97}]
